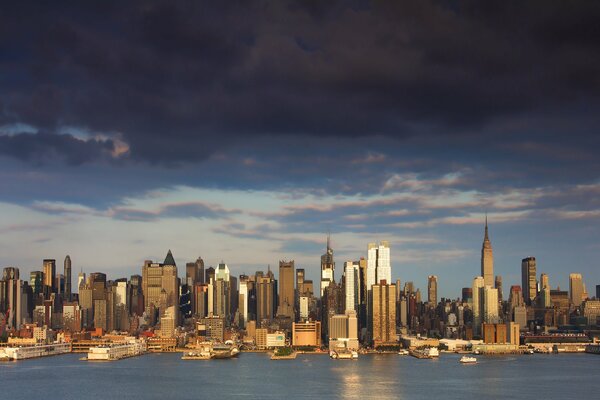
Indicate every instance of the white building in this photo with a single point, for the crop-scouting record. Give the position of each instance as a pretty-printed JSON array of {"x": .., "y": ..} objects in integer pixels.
[{"x": 352, "y": 285}]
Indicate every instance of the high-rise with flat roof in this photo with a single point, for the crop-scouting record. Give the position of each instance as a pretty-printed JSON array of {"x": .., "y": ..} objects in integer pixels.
[
  {"x": 286, "y": 289},
  {"x": 383, "y": 311},
  {"x": 529, "y": 279},
  {"x": 50, "y": 275},
  {"x": 575, "y": 289},
  {"x": 352, "y": 285},
  {"x": 67, "y": 273},
  {"x": 432, "y": 289},
  {"x": 478, "y": 304}
]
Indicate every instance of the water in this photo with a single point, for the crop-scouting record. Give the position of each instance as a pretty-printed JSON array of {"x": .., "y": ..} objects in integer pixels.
[{"x": 166, "y": 376}]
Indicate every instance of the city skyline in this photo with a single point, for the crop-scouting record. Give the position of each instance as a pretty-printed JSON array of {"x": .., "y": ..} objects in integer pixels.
[
  {"x": 217, "y": 130},
  {"x": 315, "y": 272}
]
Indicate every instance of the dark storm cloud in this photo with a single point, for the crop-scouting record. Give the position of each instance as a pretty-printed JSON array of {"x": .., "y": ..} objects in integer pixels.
[
  {"x": 41, "y": 148},
  {"x": 181, "y": 80}
]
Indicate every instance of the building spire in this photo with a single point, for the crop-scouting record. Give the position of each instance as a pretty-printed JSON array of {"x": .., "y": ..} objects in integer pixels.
[
  {"x": 328, "y": 241},
  {"x": 486, "y": 237}
]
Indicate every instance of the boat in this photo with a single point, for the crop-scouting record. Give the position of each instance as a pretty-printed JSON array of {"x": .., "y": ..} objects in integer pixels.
[
  {"x": 426, "y": 352},
  {"x": 403, "y": 352},
  {"x": 468, "y": 360},
  {"x": 196, "y": 355},
  {"x": 223, "y": 351},
  {"x": 343, "y": 354}
]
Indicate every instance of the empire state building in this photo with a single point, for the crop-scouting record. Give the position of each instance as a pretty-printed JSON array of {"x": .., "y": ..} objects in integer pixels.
[{"x": 487, "y": 259}]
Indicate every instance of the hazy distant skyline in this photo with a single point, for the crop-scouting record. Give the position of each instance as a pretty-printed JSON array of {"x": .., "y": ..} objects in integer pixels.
[{"x": 245, "y": 133}]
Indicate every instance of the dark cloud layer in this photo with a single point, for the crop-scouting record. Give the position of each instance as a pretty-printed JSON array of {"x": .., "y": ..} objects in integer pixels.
[
  {"x": 337, "y": 97},
  {"x": 180, "y": 80}
]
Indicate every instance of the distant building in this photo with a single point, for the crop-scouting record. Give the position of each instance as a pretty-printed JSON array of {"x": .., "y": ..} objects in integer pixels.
[
  {"x": 67, "y": 274},
  {"x": 487, "y": 259},
  {"x": 591, "y": 311},
  {"x": 352, "y": 285},
  {"x": 327, "y": 267},
  {"x": 160, "y": 285},
  {"x": 432, "y": 288},
  {"x": 384, "y": 313},
  {"x": 478, "y": 304},
  {"x": 575, "y": 289},
  {"x": 50, "y": 275},
  {"x": 211, "y": 328},
  {"x": 495, "y": 334},
  {"x": 529, "y": 279},
  {"x": 286, "y": 289},
  {"x": 306, "y": 334}
]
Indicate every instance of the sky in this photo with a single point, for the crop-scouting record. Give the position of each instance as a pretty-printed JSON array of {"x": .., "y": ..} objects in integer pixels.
[{"x": 244, "y": 132}]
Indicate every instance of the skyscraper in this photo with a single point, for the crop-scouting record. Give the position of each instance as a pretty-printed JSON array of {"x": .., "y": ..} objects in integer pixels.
[
  {"x": 158, "y": 278},
  {"x": 529, "y": 279},
  {"x": 498, "y": 285},
  {"x": 265, "y": 293},
  {"x": 478, "y": 304},
  {"x": 327, "y": 267},
  {"x": 575, "y": 289},
  {"x": 487, "y": 259},
  {"x": 286, "y": 289},
  {"x": 191, "y": 273},
  {"x": 36, "y": 281},
  {"x": 490, "y": 302},
  {"x": 383, "y": 309},
  {"x": 243, "y": 301},
  {"x": 544, "y": 281},
  {"x": 352, "y": 285},
  {"x": 50, "y": 275},
  {"x": 432, "y": 287},
  {"x": 378, "y": 263},
  {"x": 67, "y": 273}
]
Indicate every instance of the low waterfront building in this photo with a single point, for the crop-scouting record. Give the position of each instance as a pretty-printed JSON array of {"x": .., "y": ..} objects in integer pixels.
[
  {"x": 306, "y": 333},
  {"x": 118, "y": 351}
]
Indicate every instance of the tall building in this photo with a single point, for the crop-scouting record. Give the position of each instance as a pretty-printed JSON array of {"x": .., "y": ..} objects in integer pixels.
[
  {"x": 80, "y": 280},
  {"x": 265, "y": 299},
  {"x": 327, "y": 267},
  {"x": 529, "y": 279},
  {"x": 544, "y": 281},
  {"x": 243, "y": 301},
  {"x": 209, "y": 274},
  {"x": 498, "y": 285},
  {"x": 478, "y": 304},
  {"x": 194, "y": 272},
  {"x": 597, "y": 292},
  {"x": 515, "y": 298},
  {"x": 286, "y": 289},
  {"x": 575, "y": 289},
  {"x": 383, "y": 309},
  {"x": 352, "y": 286},
  {"x": 432, "y": 288},
  {"x": 16, "y": 301},
  {"x": 487, "y": 259},
  {"x": 160, "y": 286},
  {"x": 490, "y": 302},
  {"x": 378, "y": 263},
  {"x": 36, "y": 281},
  {"x": 67, "y": 273},
  {"x": 50, "y": 275}
]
